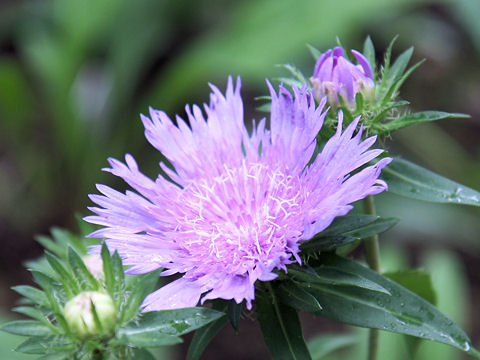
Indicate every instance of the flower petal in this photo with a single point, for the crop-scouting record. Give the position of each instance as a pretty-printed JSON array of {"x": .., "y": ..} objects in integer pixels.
[{"x": 178, "y": 294}]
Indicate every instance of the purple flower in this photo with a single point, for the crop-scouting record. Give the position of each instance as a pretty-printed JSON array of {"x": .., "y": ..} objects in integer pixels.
[
  {"x": 236, "y": 206},
  {"x": 335, "y": 75}
]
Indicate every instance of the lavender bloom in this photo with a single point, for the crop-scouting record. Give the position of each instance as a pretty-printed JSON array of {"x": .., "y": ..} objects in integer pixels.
[
  {"x": 334, "y": 75},
  {"x": 238, "y": 205}
]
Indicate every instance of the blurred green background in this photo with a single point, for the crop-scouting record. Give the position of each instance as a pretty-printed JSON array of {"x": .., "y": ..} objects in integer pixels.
[{"x": 75, "y": 74}]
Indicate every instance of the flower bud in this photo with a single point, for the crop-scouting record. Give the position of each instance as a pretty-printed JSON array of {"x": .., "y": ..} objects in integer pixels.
[
  {"x": 80, "y": 316},
  {"x": 94, "y": 264},
  {"x": 335, "y": 75}
]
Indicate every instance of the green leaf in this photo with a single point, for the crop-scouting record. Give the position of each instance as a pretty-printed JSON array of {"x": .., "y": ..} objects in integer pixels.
[
  {"x": 314, "y": 51},
  {"x": 344, "y": 224},
  {"x": 108, "y": 271},
  {"x": 395, "y": 73},
  {"x": 377, "y": 127},
  {"x": 299, "y": 77},
  {"x": 36, "y": 296},
  {"x": 66, "y": 278},
  {"x": 369, "y": 52},
  {"x": 142, "y": 354},
  {"x": 55, "y": 294},
  {"x": 419, "y": 117},
  {"x": 290, "y": 82},
  {"x": 148, "y": 339},
  {"x": 326, "y": 243},
  {"x": 296, "y": 297},
  {"x": 346, "y": 229},
  {"x": 265, "y": 107},
  {"x": 34, "y": 313},
  {"x": 336, "y": 276},
  {"x": 417, "y": 281},
  {"x": 62, "y": 355},
  {"x": 66, "y": 239},
  {"x": 402, "y": 312},
  {"x": 27, "y": 328},
  {"x": 118, "y": 281},
  {"x": 203, "y": 337},
  {"x": 386, "y": 62},
  {"x": 51, "y": 245},
  {"x": 281, "y": 327},
  {"x": 138, "y": 289},
  {"x": 378, "y": 226},
  {"x": 171, "y": 322},
  {"x": 53, "y": 289},
  {"x": 45, "y": 344},
  {"x": 325, "y": 344},
  {"x": 96, "y": 319},
  {"x": 398, "y": 83},
  {"x": 410, "y": 180},
  {"x": 86, "y": 280},
  {"x": 234, "y": 311}
]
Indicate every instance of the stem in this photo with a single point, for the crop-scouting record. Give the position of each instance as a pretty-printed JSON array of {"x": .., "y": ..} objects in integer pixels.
[
  {"x": 371, "y": 243},
  {"x": 372, "y": 250}
]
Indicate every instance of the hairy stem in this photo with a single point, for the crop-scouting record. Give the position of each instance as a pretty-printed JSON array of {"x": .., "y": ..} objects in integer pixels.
[{"x": 373, "y": 259}]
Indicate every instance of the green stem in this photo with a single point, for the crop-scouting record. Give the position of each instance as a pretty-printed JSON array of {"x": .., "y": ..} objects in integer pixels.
[
  {"x": 373, "y": 260},
  {"x": 371, "y": 243}
]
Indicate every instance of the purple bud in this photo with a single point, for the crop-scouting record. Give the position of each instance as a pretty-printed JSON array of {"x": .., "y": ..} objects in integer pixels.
[{"x": 335, "y": 75}]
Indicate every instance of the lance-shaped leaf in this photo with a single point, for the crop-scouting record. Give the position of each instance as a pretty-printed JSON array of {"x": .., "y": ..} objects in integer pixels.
[
  {"x": 402, "y": 312},
  {"x": 206, "y": 334},
  {"x": 281, "y": 328},
  {"x": 410, "y": 180},
  {"x": 296, "y": 297},
  {"x": 314, "y": 51},
  {"x": 86, "y": 280},
  {"x": 26, "y": 328},
  {"x": 393, "y": 74},
  {"x": 333, "y": 275},
  {"x": 67, "y": 279},
  {"x": 347, "y": 223},
  {"x": 114, "y": 277},
  {"x": 142, "y": 285},
  {"x": 325, "y": 344},
  {"x": 234, "y": 311},
  {"x": 419, "y": 117},
  {"x": 34, "y": 295},
  {"x": 46, "y": 344},
  {"x": 347, "y": 229},
  {"x": 36, "y": 314},
  {"x": 203, "y": 337},
  {"x": 369, "y": 52},
  {"x": 299, "y": 77},
  {"x": 419, "y": 282},
  {"x": 170, "y": 322},
  {"x": 142, "y": 354},
  {"x": 148, "y": 339}
]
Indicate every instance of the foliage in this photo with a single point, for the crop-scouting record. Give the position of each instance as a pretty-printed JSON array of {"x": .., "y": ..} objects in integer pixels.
[
  {"x": 62, "y": 275},
  {"x": 383, "y": 112},
  {"x": 105, "y": 56}
]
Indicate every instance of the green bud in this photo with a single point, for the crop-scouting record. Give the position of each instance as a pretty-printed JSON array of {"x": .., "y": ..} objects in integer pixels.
[{"x": 81, "y": 318}]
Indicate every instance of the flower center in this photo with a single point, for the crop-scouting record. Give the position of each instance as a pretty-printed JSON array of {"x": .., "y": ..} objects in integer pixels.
[{"x": 247, "y": 216}]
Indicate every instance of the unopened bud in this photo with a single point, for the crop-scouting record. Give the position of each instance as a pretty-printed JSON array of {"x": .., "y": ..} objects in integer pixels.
[
  {"x": 80, "y": 315},
  {"x": 334, "y": 75},
  {"x": 94, "y": 264}
]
